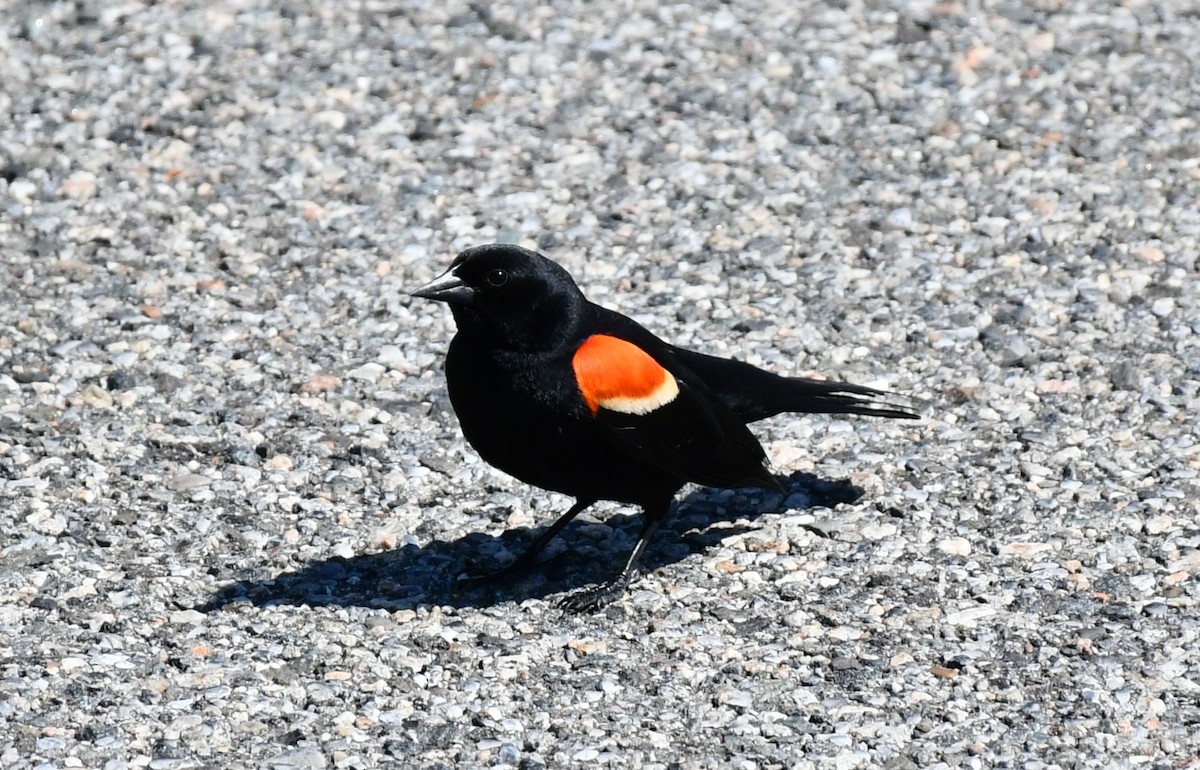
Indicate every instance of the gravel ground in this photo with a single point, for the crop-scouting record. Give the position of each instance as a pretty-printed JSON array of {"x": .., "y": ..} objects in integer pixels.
[{"x": 233, "y": 498}]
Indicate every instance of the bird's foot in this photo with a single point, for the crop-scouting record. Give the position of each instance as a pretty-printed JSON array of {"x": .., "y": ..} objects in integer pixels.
[{"x": 594, "y": 597}]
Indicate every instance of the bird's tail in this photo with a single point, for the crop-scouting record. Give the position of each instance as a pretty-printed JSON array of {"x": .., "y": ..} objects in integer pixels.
[
  {"x": 801, "y": 394},
  {"x": 755, "y": 394}
]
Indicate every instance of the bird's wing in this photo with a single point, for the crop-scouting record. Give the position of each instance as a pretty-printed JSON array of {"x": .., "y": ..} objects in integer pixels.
[
  {"x": 657, "y": 411},
  {"x": 753, "y": 393}
]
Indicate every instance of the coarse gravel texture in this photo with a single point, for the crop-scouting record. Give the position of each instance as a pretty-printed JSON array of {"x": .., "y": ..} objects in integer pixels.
[{"x": 234, "y": 498}]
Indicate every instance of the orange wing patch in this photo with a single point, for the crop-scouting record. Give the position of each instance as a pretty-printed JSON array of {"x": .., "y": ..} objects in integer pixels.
[{"x": 619, "y": 376}]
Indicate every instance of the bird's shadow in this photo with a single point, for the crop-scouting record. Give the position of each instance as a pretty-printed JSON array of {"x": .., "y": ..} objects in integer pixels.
[{"x": 584, "y": 552}]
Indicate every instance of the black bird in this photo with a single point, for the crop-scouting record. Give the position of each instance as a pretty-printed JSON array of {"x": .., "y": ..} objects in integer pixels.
[{"x": 575, "y": 398}]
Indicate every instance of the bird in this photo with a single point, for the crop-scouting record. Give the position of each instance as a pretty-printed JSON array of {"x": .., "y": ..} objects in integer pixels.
[{"x": 575, "y": 398}]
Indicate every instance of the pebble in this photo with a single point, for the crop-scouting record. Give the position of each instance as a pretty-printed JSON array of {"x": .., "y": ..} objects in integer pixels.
[
  {"x": 955, "y": 546},
  {"x": 298, "y": 759},
  {"x": 1156, "y": 525},
  {"x": 236, "y": 498},
  {"x": 321, "y": 383},
  {"x": 184, "y": 482},
  {"x": 1163, "y": 306},
  {"x": 1025, "y": 550},
  {"x": 186, "y": 617},
  {"x": 93, "y": 395},
  {"x": 368, "y": 372}
]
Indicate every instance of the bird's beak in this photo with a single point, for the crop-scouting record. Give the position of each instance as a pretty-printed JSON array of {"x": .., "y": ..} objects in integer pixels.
[{"x": 447, "y": 287}]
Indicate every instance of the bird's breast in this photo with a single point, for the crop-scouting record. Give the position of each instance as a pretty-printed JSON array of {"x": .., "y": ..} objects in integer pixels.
[{"x": 523, "y": 414}]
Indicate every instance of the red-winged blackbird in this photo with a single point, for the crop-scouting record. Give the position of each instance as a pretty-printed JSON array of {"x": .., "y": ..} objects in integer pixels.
[{"x": 579, "y": 399}]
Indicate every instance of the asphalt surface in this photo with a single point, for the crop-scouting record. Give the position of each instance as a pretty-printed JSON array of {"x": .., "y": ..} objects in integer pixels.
[{"x": 234, "y": 498}]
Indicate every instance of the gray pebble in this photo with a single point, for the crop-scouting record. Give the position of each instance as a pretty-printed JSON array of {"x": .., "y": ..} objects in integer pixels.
[{"x": 235, "y": 496}]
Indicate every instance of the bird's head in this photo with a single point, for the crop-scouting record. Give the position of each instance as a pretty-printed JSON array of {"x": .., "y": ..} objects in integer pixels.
[{"x": 509, "y": 296}]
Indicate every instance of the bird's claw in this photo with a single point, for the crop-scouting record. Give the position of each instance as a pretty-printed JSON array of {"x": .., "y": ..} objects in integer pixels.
[{"x": 593, "y": 597}]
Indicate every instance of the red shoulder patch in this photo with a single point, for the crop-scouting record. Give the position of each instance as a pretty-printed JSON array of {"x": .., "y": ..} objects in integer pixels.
[{"x": 619, "y": 376}]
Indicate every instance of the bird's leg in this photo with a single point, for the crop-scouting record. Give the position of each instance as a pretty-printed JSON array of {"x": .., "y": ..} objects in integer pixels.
[
  {"x": 596, "y": 596},
  {"x": 522, "y": 563}
]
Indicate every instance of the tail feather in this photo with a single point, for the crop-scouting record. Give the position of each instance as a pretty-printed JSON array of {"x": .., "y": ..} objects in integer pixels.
[
  {"x": 801, "y": 394},
  {"x": 755, "y": 394}
]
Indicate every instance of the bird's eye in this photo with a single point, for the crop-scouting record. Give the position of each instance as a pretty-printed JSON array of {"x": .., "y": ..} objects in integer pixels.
[{"x": 497, "y": 278}]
